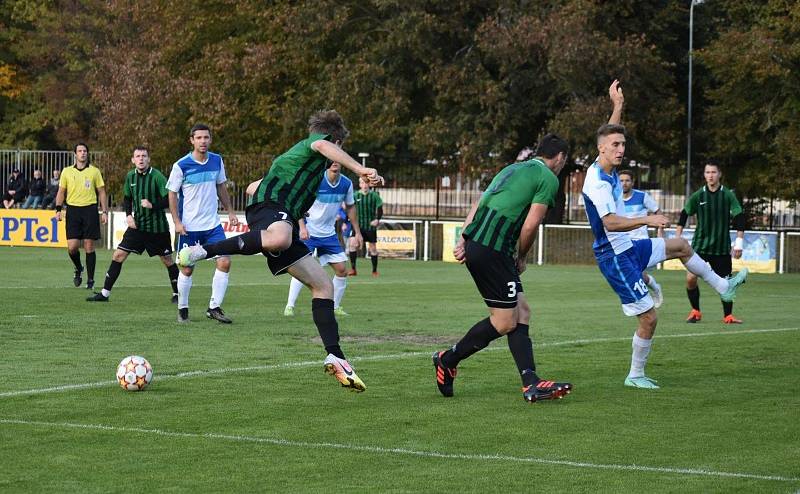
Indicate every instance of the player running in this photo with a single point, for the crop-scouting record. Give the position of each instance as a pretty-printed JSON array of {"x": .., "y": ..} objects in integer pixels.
[
  {"x": 318, "y": 232},
  {"x": 278, "y": 200},
  {"x": 622, "y": 260},
  {"x": 497, "y": 235}
]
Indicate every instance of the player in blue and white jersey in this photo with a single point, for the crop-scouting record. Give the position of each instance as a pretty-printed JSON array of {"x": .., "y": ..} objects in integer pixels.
[
  {"x": 639, "y": 203},
  {"x": 318, "y": 232},
  {"x": 195, "y": 184},
  {"x": 622, "y": 260}
]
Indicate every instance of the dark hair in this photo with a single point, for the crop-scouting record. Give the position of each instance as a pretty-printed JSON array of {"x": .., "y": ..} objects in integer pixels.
[
  {"x": 197, "y": 127},
  {"x": 713, "y": 163},
  {"x": 328, "y": 122},
  {"x": 75, "y": 149},
  {"x": 141, "y": 148},
  {"x": 608, "y": 129},
  {"x": 550, "y": 146},
  {"x": 626, "y": 172}
]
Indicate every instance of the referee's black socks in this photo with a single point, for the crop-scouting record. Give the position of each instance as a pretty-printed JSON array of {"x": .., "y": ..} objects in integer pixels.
[
  {"x": 76, "y": 260},
  {"x": 247, "y": 243},
  {"x": 374, "y": 262},
  {"x": 322, "y": 312},
  {"x": 91, "y": 261},
  {"x": 476, "y": 339}
]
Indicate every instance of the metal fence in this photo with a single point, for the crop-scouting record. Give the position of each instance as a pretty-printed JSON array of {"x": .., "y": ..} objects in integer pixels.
[{"x": 431, "y": 191}]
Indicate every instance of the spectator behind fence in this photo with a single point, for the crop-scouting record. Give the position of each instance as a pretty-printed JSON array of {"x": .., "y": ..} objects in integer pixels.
[
  {"x": 15, "y": 191},
  {"x": 49, "y": 201},
  {"x": 36, "y": 190}
]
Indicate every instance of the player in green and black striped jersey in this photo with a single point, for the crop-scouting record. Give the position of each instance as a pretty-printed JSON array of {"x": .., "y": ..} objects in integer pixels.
[
  {"x": 369, "y": 207},
  {"x": 497, "y": 235},
  {"x": 146, "y": 202},
  {"x": 716, "y": 208},
  {"x": 282, "y": 197}
]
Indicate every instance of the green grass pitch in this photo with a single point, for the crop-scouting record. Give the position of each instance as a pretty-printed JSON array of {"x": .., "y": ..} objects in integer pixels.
[{"x": 247, "y": 408}]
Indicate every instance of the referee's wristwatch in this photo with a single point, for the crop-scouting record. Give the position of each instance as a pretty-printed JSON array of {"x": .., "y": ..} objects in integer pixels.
[{"x": 104, "y": 212}]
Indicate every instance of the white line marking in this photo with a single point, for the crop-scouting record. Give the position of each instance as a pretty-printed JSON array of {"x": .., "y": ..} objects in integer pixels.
[
  {"x": 401, "y": 451},
  {"x": 311, "y": 363}
]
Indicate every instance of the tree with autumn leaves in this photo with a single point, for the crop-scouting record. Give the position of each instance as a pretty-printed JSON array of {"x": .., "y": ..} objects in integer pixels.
[{"x": 472, "y": 82}]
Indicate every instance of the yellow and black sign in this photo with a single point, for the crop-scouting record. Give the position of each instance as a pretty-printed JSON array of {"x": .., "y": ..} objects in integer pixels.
[{"x": 31, "y": 228}]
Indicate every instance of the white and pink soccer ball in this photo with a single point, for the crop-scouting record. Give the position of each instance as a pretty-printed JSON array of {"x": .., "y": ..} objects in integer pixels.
[{"x": 134, "y": 373}]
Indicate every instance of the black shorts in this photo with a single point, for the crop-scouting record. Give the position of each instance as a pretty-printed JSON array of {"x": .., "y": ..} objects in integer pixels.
[
  {"x": 369, "y": 234},
  {"x": 495, "y": 275},
  {"x": 722, "y": 265},
  {"x": 137, "y": 241},
  {"x": 259, "y": 217},
  {"x": 83, "y": 222}
]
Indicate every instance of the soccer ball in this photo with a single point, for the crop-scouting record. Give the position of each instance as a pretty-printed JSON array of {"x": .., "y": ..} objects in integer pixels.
[{"x": 134, "y": 373}]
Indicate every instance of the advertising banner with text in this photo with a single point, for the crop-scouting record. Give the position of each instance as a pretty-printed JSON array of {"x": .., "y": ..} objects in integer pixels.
[
  {"x": 31, "y": 228},
  {"x": 759, "y": 253}
]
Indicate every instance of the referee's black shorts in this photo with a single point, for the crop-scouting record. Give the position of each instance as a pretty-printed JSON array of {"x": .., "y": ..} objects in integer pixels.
[
  {"x": 83, "y": 222},
  {"x": 495, "y": 275},
  {"x": 259, "y": 217},
  {"x": 720, "y": 264},
  {"x": 137, "y": 241}
]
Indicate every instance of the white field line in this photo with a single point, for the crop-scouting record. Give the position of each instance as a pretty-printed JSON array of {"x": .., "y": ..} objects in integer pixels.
[
  {"x": 400, "y": 451},
  {"x": 311, "y": 363}
]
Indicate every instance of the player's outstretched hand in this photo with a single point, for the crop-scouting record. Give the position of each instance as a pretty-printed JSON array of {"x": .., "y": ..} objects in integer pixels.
[
  {"x": 615, "y": 93},
  {"x": 658, "y": 221},
  {"x": 458, "y": 251},
  {"x": 233, "y": 219},
  {"x": 370, "y": 175}
]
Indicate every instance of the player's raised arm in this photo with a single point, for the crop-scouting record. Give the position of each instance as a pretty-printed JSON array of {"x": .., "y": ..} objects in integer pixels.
[
  {"x": 617, "y": 98},
  {"x": 335, "y": 153}
]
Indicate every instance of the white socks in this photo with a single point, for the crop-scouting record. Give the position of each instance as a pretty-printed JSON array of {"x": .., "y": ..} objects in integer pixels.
[
  {"x": 294, "y": 291},
  {"x": 219, "y": 285},
  {"x": 641, "y": 349},
  {"x": 698, "y": 266},
  {"x": 339, "y": 284},
  {"x": 184, "y": 285}
]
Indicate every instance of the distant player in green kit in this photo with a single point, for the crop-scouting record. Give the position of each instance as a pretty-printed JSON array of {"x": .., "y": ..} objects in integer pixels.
[
  {"x": 497, "y": 235},
  {"x": 715, "y": 206},
  {"x": 369, "y": 206},
  {"x": 278, "y": 201},
  {"x": 146, "y": 204}
]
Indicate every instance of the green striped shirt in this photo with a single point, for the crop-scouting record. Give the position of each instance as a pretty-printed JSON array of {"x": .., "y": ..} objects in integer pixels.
[
  {"x": 714, "y": 211},
  {"x": 504, "y": 205},
  {"x": 367, "y": 208},
  {"x": 294, "y": 177},
  {"x": 151, "y": 185}
]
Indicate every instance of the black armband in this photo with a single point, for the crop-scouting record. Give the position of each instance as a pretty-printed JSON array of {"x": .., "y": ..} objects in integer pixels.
[
  {"x": 379, "y": 215},
  {"x": 162, "y": 203},
  {"x": 683, "y": 218},
  {"x": 128, "y": 206},
  {"x": 739, "y": 222}
]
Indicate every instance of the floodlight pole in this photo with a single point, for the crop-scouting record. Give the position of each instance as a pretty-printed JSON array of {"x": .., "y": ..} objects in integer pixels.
[{"x": 689, "y": 101}]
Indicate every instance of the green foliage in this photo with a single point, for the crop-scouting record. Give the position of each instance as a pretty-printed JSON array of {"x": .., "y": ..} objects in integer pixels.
[
  {"x": 756, "y": 98},
  {"x": 469, "y": 83}
]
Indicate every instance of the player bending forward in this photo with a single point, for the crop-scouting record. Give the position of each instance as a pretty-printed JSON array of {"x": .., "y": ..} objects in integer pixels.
[
  {"x": 278, "y": 201},
  {"x": 498, "y": 233}
]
